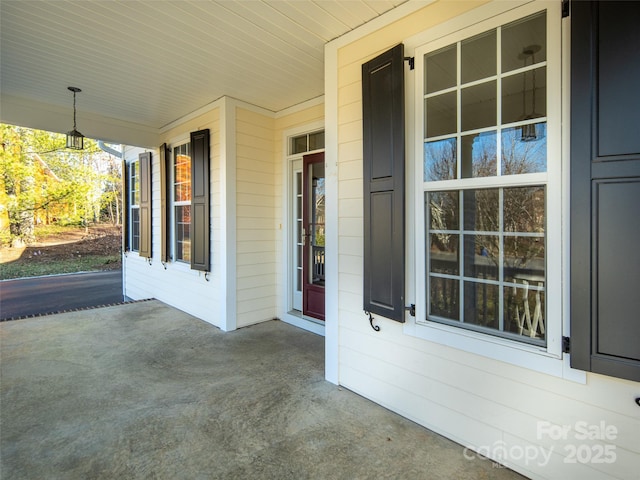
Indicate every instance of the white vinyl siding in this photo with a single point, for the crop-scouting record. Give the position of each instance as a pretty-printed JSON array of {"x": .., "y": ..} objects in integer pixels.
[{"x": 256, "y": 218}]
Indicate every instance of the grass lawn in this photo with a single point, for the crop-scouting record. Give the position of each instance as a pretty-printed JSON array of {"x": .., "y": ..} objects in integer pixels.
[{"x": 64, "y": 250}]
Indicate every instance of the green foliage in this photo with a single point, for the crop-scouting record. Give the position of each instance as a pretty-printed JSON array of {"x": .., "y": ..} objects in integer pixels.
[{"x": 42, "y": 182}]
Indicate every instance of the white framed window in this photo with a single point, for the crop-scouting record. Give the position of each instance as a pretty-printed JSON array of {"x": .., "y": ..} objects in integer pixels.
[
  {"x": 134, "y": 205},
  {"x": 181, "y": 199},
  {"x": 488, "y": 195},
  {"x": 306, "y": 142}
]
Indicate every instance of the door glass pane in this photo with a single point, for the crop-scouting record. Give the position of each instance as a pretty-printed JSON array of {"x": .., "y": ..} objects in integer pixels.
[
  {"x": 317, "y": 224},
  {"x": 298, "y": 238},
  {"x": 440, "y": 69},
  {"x": 478, "y": 57},
  {"x": 479, "y": 155},
  {"x": 441, "y": 114},
  {"x": 525, "y": 39},
  {"x": 478, "y": 107},
  {"x": 440, "y": 160}
]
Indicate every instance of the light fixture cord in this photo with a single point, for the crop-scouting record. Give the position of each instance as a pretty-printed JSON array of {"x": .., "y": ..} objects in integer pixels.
[
  {"x": 533, "y": 87},
  {"x": 74, "y": 110}
]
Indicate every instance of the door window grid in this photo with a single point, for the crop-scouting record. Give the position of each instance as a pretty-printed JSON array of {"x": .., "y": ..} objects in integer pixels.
[
  {"x": 298, "y": 235},
  {"x": 472, "y": 132}
]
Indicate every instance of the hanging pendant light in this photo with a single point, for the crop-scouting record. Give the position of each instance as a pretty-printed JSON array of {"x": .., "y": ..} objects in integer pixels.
[{"x": 75, "y": 140}]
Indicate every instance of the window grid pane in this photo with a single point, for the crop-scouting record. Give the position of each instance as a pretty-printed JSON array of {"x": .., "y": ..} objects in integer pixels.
[
  {"x": 182, "y": 230},
  {"x": 134, "y": 206},
  {"x": 485, "y": 107},
  {"x": 486, "y": 260},
  {"x": 306, "y": 142},
  {"x": 489, "y": 97},
  {"x": 135, "y": 229},
  {"x": 182, "y": 202}
]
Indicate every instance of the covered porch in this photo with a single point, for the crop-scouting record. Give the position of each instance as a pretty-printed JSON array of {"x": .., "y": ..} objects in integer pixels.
[{"x": 143, "y": 390}]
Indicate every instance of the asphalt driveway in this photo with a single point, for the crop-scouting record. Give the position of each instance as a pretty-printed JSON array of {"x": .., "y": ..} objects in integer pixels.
[{"x": 27, "y": 297}]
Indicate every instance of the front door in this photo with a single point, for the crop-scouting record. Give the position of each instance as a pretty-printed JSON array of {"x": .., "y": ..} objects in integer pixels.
[{"x": 313, "y": 235}]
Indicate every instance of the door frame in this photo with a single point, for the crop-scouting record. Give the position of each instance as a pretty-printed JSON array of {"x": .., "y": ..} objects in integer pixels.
[{"x": 285, "y": 309}]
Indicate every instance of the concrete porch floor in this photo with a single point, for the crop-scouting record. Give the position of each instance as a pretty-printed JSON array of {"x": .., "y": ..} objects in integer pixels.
[{"x": 143, "y": 390}]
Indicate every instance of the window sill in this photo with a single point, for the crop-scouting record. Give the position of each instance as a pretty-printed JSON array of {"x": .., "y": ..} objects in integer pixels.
[{"x": 518, "y": 354}]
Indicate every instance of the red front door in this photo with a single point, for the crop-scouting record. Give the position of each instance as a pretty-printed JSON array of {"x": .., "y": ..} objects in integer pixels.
[{"x": 313, "y": 220}]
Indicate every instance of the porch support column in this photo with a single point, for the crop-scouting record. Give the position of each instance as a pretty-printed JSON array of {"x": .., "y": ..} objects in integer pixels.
[
  {"x": 331, "y": 332},
  {"x": 228, "y": 290}
]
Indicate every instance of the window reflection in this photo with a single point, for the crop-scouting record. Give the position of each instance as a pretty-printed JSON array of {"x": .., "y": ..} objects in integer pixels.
[
  {"x": 440, "y": 160},
  {"x": 485, "y": 108},
  {"x": 478, "y": 57},
  {"x": 524, "y": 258},
  {"x": 524, "y": 96},
  {"x": 443, "y": 298},
  {"x": 479, "y": 155},
  {"x": 441, "y": 114},
  {"x": 496, "y": 245},
  {"x": 481, "y": 304},
  {"x": 524, "y": 209},
  {"x": 520, "y": 157},
  {"x": 481, "y": 210},
  {"x": 481, "y": 256},
  {"x": 478, "y": 106},
  {"x": 443, "y": 253},
  {"x": 443, "y": 210},
  {"x": 440, "y": 72},
  {"x": 183, "y": 178},
  {"x": 520, "y": 34},
  {"x": 524, "y": 310}
]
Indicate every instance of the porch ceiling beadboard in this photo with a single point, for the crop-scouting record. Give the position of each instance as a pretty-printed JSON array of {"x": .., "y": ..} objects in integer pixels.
[{"x": 149, "y": 63}]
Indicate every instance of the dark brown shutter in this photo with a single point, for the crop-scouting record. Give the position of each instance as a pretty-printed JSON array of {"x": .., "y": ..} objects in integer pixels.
[
  {"x": 144, "y": 161},
  {"x": 125, "y": 206},
  {"x": 200, "y": 200},
  {"x": 165, "y": 177},
  {"x": 605, "y": 188},
  {"x": 383, "y": 149}
]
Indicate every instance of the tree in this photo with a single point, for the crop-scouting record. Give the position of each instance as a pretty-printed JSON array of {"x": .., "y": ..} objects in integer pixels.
[{"x": 43, "y": 182}]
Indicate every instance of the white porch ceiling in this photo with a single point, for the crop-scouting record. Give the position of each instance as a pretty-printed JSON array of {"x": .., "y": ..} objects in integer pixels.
[{"x": 150, "y": 62}]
